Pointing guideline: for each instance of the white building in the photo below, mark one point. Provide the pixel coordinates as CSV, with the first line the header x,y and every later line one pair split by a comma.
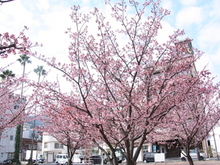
x,y
213,142
7,142
51,147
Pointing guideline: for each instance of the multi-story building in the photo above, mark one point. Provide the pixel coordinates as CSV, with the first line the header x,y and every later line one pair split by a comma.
x,y
26,142
7,142
162,145
51,147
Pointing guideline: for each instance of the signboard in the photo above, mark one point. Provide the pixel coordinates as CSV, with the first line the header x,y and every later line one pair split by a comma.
x,y
159,157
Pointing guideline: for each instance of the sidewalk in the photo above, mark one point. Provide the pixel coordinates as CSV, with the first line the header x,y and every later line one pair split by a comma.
x,y
173,162
207,162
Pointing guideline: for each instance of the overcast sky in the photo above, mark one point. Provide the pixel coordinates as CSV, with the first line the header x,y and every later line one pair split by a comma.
x,y
48,20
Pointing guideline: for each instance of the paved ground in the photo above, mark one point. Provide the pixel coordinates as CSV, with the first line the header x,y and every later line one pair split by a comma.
x,y
211,162
167,162
205,162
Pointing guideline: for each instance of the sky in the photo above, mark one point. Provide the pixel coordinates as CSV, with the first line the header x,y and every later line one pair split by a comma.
x,y
48,20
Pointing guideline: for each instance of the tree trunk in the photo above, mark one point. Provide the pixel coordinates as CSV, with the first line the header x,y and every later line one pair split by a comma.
x,y
114,160
70,160
130,162
189,158
71,152
198,154
17,145
30,160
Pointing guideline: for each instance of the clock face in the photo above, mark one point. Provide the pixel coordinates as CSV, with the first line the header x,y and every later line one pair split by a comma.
x,y
184,47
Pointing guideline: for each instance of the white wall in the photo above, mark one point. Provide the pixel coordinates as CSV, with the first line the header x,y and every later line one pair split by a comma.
x,y
215,141
50,150
7,145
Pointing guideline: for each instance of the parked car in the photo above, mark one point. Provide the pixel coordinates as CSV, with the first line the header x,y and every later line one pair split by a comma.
x,y
193,155
7,161
41,159
120,159
148,157
83,158
61,159
118,154
95,159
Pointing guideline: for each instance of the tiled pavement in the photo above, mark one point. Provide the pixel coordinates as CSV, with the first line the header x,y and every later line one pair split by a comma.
x,y
206,162
212,162
177,162
167,162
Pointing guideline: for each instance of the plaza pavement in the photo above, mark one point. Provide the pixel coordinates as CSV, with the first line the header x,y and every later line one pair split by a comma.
x,y
205,162
212,161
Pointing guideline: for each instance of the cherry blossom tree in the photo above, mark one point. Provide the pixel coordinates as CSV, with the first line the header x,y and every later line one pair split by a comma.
x,y
12,103
60,124
196,114
12,44
120,80
15,108
4,1
11,106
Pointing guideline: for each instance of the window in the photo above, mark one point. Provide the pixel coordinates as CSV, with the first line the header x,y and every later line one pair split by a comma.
x,y
34,146
192,151
145,149
11,137
208,142
58,145
154,148
16,106
10,155
45,145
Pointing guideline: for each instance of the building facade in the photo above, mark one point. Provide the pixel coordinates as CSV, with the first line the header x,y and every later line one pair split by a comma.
x,y
51,147
7,142
212,143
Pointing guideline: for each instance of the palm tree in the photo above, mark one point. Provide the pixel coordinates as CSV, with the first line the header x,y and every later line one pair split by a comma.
x,y
7,74
24,59
40,71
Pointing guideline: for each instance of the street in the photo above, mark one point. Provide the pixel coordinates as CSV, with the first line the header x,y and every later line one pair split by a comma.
x,y
167,162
